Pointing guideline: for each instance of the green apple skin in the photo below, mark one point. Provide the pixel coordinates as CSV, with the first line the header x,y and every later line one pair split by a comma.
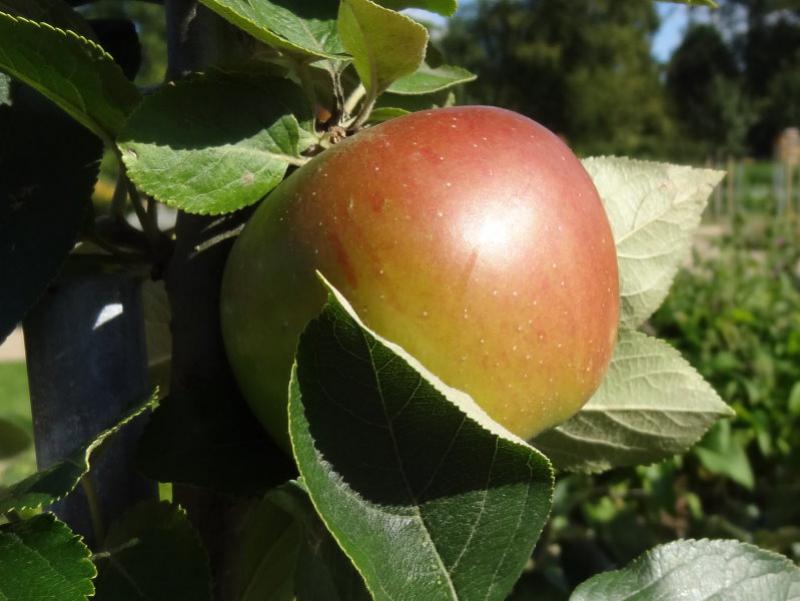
x,y
470,236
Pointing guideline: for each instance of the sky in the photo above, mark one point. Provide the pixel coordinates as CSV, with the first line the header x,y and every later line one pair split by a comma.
x,y
674,18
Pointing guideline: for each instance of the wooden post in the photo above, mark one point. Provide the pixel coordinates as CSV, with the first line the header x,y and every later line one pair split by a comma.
x,y
87,363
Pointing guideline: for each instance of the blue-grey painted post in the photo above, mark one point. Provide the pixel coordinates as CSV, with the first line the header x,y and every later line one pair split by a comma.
x,y
87,363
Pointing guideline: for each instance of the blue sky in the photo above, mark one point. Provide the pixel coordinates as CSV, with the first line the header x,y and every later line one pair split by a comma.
x,y
674,18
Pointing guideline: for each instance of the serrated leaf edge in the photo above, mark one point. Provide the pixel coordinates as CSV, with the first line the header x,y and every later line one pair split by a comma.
x,y
130,168
647,555
98,54
266,36
83,454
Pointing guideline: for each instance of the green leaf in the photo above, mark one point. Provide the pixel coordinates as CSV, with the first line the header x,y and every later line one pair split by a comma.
x,y
212,144
653,208
40,217
710,3
307,29
385,113
721,453
266,556
153,552
443,7
652,404
385,44
13,439
208,438
427,80
71,71
49,485
429,498
42,559
698,570
55,12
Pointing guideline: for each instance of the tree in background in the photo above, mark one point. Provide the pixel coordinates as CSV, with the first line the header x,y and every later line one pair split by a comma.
x,y
586,73
705,88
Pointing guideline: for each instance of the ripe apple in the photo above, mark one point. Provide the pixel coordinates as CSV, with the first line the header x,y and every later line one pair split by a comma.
x,y
470,236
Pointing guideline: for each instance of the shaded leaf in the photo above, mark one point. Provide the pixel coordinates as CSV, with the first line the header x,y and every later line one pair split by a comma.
x,y
305,29
55,12
385,44
71,71
40,217
652,404
213,144
327,574
209,438
653,208
40,559
266,556
49,485
698,570
153,552
429,502
157,317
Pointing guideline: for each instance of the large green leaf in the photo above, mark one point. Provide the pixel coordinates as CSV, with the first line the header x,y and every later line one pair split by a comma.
x,y
654,208
385,44
651,405
75,73
55,482
49,164
428,497
307,28
704,570
41,559
153,552
214,144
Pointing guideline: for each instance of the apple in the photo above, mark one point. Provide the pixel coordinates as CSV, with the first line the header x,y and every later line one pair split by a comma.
x,y
470,236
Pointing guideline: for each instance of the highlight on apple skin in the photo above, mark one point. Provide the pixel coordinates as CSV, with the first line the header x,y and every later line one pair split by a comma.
x,y
470,236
